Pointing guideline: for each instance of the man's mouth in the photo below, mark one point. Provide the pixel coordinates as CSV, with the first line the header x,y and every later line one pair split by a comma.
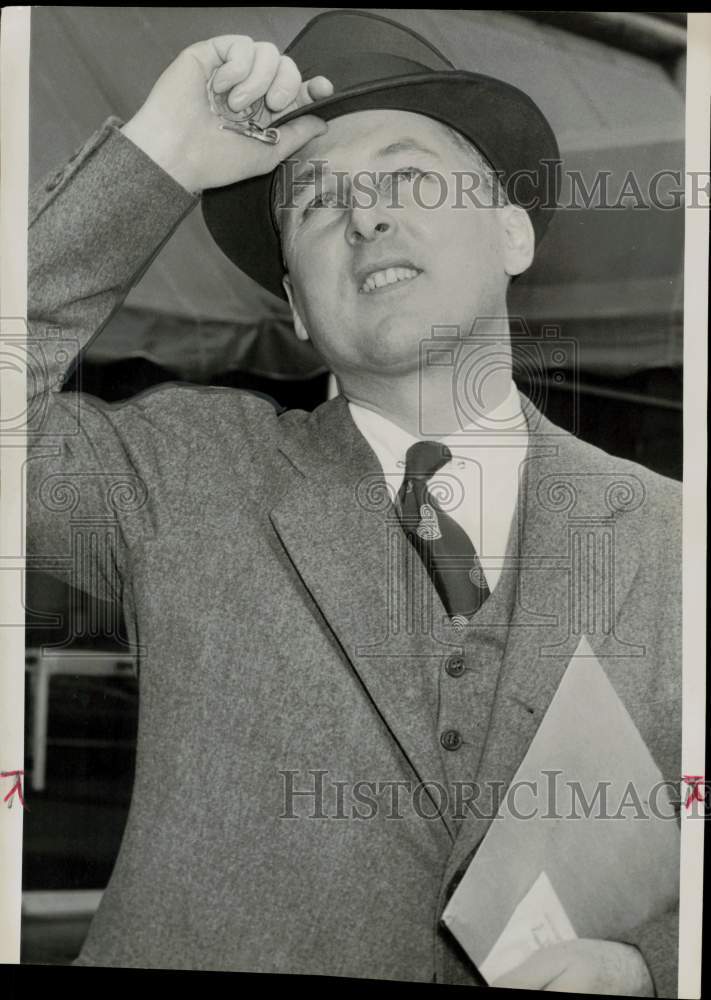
x,y
387,276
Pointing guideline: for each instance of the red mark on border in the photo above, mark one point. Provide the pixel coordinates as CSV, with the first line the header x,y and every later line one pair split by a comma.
x,y
17,787
695,782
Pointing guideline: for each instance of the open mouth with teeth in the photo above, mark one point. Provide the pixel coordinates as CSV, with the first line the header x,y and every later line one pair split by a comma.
x,y
388,277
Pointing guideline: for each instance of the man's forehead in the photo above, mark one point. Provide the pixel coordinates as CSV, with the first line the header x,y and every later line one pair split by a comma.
x,y
368,133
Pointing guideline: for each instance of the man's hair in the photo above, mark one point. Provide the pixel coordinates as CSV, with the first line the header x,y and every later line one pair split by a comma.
x,y
492,184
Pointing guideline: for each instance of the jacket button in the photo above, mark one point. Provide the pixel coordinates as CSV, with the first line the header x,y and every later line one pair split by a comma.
x,y
55,181
455,666
451,740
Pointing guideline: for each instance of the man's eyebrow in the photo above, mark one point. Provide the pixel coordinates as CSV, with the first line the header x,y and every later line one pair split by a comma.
x,y
307,174
307,178
407,145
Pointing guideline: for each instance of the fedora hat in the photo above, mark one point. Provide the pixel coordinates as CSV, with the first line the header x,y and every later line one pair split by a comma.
x,y
376,64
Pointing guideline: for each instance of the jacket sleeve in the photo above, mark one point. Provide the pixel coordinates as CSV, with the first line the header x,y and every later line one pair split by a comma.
x,y
94,469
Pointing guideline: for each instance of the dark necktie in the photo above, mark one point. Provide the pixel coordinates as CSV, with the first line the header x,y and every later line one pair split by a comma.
x,y
444,547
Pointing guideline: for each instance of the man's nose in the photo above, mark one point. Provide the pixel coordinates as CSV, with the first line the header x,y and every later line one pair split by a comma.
x,y
367,224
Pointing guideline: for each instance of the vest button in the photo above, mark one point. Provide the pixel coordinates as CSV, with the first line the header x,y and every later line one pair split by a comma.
x,y
451,740
455,666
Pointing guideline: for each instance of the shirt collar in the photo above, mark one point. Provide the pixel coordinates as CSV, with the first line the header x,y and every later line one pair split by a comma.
x,y
390,442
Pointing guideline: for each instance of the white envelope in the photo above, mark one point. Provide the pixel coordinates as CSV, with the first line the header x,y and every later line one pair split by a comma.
x,y
608,875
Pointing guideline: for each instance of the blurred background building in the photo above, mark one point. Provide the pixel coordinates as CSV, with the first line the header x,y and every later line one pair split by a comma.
x,y
609,281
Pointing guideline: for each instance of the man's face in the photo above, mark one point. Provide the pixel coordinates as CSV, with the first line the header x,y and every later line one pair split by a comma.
x,y
342,258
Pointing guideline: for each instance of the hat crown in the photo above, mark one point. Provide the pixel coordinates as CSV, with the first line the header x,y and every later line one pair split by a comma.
x,y
355,47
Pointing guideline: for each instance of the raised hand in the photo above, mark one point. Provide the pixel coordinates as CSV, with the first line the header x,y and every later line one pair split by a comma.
x,y
177,128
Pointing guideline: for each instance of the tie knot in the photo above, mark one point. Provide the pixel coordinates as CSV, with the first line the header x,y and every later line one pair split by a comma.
x,y
425,458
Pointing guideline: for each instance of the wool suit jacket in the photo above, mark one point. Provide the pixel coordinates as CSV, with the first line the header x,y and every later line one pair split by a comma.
x,y
250,552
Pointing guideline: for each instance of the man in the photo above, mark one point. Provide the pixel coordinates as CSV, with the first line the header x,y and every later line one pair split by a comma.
x,y
313,616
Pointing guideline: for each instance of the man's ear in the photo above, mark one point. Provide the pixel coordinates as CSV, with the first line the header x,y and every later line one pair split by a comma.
x,y
301,332
519,239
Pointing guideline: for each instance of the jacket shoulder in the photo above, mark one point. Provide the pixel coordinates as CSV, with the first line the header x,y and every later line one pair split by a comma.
x,y
208,414
650,501
661,494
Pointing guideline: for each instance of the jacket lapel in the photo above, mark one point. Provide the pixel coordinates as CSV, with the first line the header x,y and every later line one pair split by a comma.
x,y
571,498
342,535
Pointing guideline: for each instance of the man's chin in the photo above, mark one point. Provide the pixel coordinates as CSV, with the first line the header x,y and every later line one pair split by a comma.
x,y
403,326
393,351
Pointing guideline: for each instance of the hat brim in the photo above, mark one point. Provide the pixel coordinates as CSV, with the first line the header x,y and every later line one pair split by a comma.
x,y
499,119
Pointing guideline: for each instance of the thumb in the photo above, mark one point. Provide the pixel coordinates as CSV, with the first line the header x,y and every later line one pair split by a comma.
x,y
296,134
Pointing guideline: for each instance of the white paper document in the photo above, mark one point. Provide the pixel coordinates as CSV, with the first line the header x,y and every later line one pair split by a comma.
x,y
540,876
538,920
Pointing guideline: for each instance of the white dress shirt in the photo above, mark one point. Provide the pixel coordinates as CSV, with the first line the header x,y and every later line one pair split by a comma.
x,y
478,487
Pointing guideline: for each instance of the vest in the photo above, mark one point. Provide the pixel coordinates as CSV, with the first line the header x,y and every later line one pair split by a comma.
x,y
467,685
461,685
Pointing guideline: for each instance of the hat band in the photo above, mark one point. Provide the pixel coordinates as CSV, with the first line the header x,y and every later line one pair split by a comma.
x,y
357,68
